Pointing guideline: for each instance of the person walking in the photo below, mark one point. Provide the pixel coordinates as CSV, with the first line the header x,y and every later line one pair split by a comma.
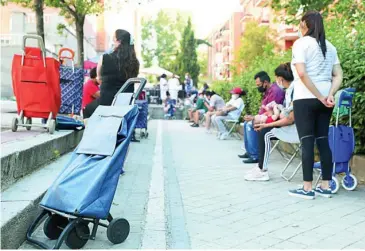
x,y
317,77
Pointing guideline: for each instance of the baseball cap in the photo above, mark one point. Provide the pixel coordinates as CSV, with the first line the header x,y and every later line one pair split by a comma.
x,y
236,90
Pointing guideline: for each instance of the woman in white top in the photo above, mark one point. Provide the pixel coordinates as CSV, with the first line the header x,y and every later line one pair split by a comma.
x,y
317,77
164,87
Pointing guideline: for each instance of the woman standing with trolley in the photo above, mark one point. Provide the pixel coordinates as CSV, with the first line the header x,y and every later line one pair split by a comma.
x,y
114,69
317,77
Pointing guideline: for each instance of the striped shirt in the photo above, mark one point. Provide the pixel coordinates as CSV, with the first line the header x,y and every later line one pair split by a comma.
x,y
319,68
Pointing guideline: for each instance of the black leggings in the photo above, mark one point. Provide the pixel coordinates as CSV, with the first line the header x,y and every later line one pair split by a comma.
x,y
312,120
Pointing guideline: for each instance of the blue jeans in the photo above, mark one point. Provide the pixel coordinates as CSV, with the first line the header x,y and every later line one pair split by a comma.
x,y
250,139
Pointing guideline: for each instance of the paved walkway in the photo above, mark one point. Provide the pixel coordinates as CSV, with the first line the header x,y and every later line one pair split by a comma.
x,y
185,189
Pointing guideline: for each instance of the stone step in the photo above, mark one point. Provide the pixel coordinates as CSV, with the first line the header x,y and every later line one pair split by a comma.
x,y
19,203
29,151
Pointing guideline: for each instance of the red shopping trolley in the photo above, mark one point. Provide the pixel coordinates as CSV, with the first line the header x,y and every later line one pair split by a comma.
x,y
36,86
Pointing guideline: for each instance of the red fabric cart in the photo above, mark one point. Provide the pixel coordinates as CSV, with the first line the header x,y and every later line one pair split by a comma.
x,y
36,86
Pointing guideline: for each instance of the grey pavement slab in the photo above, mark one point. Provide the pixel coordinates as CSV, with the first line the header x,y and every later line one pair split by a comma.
x,y
207,204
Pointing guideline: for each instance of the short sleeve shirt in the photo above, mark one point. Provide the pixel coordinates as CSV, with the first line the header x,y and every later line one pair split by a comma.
x,y
319,68
217,102
90,88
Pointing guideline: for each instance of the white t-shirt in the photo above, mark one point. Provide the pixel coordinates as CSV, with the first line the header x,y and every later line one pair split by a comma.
x,y
217,102
238,103
288,95
306,50
163,88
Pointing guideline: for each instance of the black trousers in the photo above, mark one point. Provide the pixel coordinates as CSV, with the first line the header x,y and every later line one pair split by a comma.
x,y
312,119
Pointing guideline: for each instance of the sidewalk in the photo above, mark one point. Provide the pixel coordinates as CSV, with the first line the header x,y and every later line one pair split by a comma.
x,y
184,189
8,112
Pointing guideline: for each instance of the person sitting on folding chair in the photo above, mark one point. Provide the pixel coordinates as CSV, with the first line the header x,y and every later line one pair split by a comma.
x,y
216,103
232,111
200,109
283,129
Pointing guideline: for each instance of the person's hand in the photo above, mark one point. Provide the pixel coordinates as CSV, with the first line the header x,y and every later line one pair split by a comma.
x,y
331,100
259,127
248,117
323,99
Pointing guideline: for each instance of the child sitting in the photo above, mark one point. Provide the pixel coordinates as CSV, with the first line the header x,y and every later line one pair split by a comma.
x,y
273,112
169,108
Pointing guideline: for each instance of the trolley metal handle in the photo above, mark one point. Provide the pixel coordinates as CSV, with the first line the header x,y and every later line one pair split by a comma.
x,y
133,81
66,57
41,44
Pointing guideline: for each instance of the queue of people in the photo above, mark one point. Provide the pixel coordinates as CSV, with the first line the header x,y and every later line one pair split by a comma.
x,y
296,108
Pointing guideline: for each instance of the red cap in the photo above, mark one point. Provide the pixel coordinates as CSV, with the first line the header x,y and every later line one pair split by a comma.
x,y
236,90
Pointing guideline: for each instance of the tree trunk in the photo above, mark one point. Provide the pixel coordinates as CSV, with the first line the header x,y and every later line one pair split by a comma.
x,y
80,40
38,8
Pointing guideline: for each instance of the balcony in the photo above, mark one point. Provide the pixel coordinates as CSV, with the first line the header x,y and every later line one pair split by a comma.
x,y
226,48
288,34
264,22
261,3
226,32
246,17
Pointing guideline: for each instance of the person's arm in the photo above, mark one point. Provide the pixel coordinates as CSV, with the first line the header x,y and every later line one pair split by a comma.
x,y
96,94
286,121
337,77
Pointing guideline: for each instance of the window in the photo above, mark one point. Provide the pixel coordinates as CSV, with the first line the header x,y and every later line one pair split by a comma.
x,y
31,18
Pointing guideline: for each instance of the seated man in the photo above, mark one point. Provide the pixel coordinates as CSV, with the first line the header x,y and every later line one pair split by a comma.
x,y
272,92
232,111
199,110
91,89
283,129
216,103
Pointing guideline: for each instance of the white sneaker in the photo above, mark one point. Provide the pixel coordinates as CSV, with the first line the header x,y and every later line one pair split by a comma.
x,y
218,135
257,175
252,170
224,136
208,131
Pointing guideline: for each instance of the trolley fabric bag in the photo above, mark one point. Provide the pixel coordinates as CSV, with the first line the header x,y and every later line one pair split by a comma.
x,y
71,80
36,82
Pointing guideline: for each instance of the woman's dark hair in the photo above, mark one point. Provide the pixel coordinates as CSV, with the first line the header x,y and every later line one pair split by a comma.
x,y
284,71
93,73
210,93
263,76
125,54
314,22
167,93
163,75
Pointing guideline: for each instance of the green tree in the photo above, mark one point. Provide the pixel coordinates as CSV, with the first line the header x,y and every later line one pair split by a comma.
x,y
188,58
203,63
37,6
255,42
76,11
148,52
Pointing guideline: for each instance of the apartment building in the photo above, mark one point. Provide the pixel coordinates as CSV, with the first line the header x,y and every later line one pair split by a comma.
x,y
225,41
261,11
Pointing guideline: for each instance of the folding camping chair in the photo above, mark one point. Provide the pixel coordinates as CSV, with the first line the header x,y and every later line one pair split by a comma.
x,y
296,150
230,124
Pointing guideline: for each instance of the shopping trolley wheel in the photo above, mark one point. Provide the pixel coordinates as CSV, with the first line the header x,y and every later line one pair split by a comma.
x,y
14,124
334,184
28,122
78,236
118,230
146,135
349,182
54,226
52,126
142,135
